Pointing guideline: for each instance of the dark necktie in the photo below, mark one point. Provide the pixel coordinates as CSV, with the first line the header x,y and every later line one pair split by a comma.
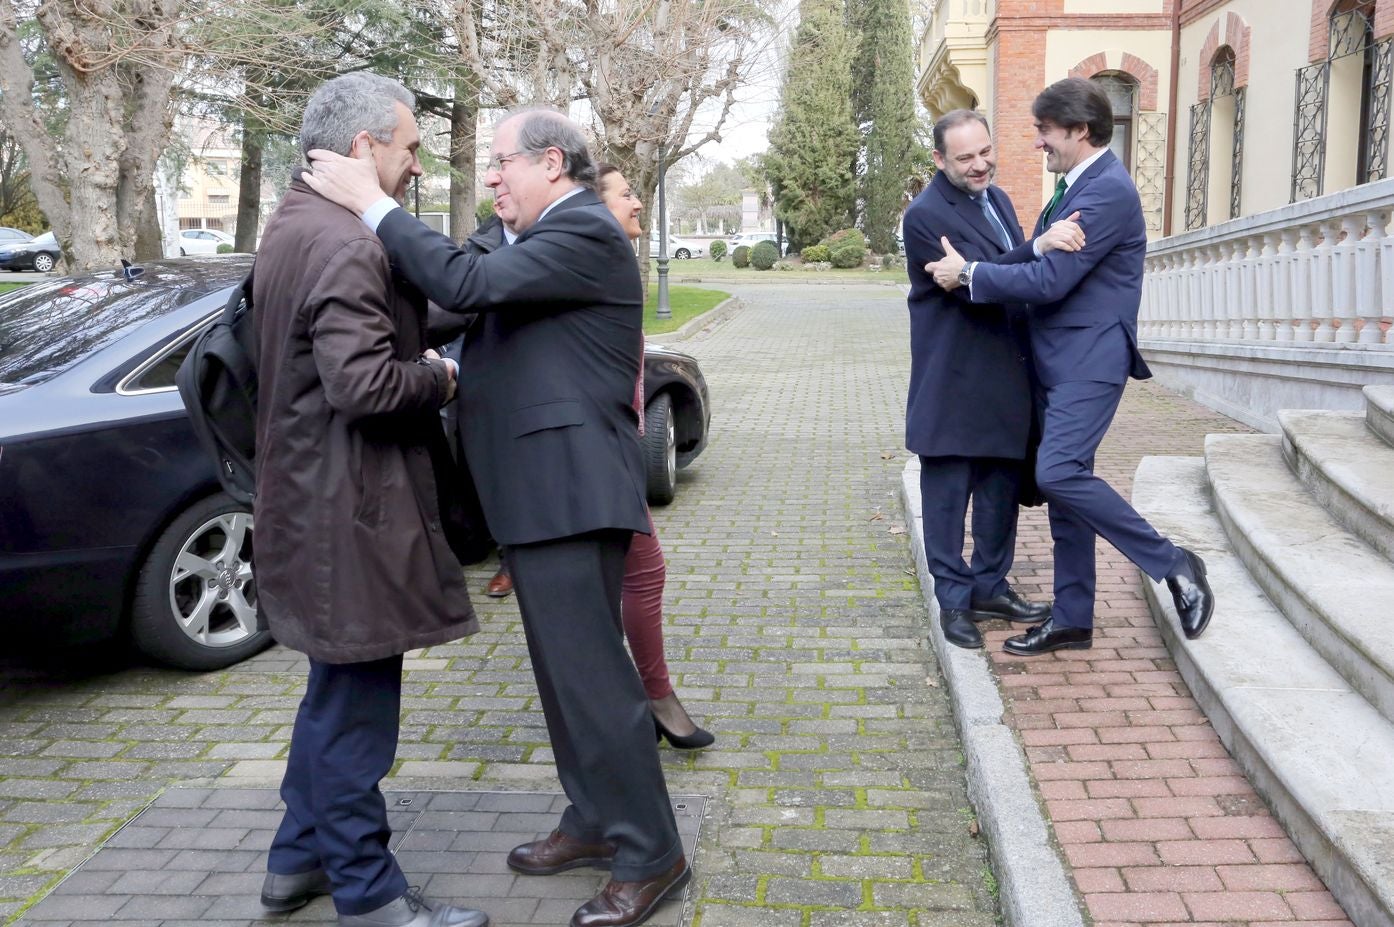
x,y
995,222
1060,186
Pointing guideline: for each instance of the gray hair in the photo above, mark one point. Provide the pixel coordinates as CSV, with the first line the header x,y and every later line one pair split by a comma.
x,y
952,120
349,104
540,129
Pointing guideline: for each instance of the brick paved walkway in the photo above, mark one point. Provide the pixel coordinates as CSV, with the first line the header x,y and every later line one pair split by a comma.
x,y
1158,823
836,793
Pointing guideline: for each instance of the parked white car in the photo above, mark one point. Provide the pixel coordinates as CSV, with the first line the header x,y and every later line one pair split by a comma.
x,y
750,239
202,241
679,248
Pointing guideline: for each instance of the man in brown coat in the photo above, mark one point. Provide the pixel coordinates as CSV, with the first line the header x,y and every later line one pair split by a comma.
x,y
354,565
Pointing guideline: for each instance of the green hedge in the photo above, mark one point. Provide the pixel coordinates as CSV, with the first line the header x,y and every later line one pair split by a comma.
x,y
741,256
849,255
816,254
718,250
224,248
764,254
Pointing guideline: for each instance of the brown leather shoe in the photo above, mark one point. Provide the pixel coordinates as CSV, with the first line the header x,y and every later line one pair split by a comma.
x,y
558,852
624,904
501,585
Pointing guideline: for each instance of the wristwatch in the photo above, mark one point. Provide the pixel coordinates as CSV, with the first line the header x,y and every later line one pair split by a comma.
x,y
965,275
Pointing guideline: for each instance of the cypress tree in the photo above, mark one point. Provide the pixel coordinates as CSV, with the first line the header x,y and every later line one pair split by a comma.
x,y
814,142
886,82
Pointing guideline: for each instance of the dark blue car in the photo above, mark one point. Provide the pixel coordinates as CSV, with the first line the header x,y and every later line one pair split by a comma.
x,y
112,522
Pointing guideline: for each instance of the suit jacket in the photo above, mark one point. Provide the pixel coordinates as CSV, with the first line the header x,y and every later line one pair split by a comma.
x,y
1083,315
547,370
969,387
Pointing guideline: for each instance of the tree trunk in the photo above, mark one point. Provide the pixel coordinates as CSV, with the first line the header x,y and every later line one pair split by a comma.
x,y
249,191
464,120
150,244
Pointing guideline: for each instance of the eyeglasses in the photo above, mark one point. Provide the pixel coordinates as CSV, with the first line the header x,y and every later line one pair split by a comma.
x,y
499,162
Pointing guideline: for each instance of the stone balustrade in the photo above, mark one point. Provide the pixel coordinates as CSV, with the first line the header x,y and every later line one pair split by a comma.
x,y
1287,309
1316,272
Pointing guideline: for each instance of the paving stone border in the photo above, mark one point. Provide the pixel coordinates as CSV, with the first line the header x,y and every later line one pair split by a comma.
x,y
1035,890
718,313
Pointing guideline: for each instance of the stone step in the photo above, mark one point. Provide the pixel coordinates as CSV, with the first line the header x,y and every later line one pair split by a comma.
x,y
1333,587
1347,468
1379,411
1319,753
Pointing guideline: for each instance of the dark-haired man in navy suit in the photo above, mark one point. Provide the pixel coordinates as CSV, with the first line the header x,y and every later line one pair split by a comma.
x,y
1083,326
968,415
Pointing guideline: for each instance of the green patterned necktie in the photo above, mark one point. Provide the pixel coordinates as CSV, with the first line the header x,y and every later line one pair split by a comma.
x,y
1054,200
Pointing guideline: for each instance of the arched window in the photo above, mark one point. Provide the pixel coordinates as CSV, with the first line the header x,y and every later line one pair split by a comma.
x,y
1122,90
1214,185
1342,111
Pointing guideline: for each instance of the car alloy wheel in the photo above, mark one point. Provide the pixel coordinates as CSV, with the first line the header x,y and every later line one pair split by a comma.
x,y
682,254
43,263
661,450
196,600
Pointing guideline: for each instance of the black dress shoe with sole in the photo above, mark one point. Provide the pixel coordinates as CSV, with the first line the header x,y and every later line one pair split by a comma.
x,y
1011,606
1190,591
1045,637
959,629
627,904
283,893
558,852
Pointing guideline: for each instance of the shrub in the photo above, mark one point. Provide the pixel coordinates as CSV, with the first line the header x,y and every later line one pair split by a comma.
x,y
741,256
718,250
848,255
764,254
845,237
892,261
484,211
224,248
815,254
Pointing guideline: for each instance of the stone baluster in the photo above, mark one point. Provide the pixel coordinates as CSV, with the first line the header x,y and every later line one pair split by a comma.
x,y
1173,294
1283,298
1265,305
1147,312
1301,284
1345,272
1244,324
1322,292
1195,292
1210,289
1371,296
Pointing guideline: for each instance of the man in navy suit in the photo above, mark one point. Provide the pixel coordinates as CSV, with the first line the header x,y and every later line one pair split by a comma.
x,y
968,415
1083,328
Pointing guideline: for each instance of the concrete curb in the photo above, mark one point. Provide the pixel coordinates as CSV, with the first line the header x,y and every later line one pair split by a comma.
x,y
1034,889
718,313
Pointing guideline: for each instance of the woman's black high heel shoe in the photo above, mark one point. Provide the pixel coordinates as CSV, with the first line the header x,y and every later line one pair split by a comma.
x,y
698,739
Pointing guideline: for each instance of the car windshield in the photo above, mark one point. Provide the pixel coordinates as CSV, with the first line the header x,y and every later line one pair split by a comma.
x,y
45,327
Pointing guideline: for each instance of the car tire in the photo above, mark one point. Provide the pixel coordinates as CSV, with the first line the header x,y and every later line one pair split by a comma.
x,y
195,598
660,450
682,254
43,262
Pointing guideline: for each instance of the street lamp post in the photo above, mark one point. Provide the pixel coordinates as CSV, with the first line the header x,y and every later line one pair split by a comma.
x,y
664,310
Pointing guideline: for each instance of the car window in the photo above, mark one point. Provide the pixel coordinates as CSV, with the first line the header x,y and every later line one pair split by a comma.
x,y
161,374
46,327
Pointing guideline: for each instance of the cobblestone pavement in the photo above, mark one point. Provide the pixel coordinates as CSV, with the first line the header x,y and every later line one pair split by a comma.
x,y
1157,821
836,793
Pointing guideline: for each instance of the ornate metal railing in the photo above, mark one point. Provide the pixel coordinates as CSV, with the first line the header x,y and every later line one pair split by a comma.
x,y
1320,271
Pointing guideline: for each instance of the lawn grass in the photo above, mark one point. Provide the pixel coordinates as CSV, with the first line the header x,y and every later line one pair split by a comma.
x,y
704,270
7,287
687,302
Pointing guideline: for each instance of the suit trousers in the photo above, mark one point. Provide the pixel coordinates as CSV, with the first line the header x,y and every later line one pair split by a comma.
x,y
343,743
1075,417
642,610
946,484
598,717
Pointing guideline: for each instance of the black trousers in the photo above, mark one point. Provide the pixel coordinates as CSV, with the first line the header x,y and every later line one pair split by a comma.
x,y
946,484
344,742
597,714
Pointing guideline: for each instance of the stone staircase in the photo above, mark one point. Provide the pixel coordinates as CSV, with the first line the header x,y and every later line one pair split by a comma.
x,y
1296,671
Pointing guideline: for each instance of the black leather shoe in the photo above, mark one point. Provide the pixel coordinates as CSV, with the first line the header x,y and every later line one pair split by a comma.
x,y
625,904
1011,606
959,629
558,852
416,910
1045,637
1190,590
288,892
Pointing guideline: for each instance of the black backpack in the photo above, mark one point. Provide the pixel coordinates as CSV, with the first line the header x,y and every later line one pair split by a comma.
x,y
218,383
